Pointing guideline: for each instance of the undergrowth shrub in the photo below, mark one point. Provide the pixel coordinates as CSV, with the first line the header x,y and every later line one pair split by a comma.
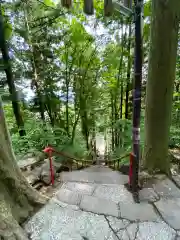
x,y
38,136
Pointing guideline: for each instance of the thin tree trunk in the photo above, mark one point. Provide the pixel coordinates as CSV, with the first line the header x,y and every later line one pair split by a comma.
x,y
161,75
128,75
35,81
120,84
112,123
74,126
10,80
67,79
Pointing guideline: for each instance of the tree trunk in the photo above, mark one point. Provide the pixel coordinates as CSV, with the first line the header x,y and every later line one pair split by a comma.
x,y
67,81
10,80
34,61
75,125
128,74
112,123
17,198
161,75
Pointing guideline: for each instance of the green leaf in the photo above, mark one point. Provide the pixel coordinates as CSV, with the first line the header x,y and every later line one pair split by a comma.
x,y
147,9
23,33
49,3
7,31
176,94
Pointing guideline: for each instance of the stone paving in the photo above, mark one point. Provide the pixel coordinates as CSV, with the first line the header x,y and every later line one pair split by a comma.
x,y
96,210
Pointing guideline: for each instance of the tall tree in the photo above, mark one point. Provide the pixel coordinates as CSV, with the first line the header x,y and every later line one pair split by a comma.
x,y
17,198
10,80
161,75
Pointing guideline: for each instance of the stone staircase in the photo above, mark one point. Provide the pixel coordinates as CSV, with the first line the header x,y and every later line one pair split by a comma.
x,y
93,204
95,174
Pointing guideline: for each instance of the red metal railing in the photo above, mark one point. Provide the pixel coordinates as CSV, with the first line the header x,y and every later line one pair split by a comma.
x,y
50,151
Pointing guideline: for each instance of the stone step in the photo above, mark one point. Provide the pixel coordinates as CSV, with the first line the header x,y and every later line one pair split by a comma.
x,y
72,192
63,223
101,177
110,200
106,211
97,169
99,206
88,203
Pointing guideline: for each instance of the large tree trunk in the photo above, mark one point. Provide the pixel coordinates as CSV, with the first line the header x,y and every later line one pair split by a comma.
x,y
17,198
161,75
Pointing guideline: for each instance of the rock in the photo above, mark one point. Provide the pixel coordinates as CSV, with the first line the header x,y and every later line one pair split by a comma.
x,y
45,170
29,155
154,230
170,211
40,156
31,161
166,189
37,171
138,212
68,196
148,195
34,175
46,176
81,188
32,179
99,206
38,185
27,162
177,180
45,173
174,169
63,169
124,169
115,193
58,166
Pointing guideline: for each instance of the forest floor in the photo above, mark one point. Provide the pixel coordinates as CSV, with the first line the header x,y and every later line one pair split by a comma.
x,y
93,204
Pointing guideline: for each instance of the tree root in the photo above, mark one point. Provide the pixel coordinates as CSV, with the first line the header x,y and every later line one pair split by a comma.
x,y
9,227
15,209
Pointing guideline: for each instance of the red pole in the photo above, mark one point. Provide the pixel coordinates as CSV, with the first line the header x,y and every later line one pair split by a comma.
x,y
49,150
51,168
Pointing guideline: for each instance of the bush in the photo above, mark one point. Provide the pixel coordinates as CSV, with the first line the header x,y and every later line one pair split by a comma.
x,y
38,136
174,140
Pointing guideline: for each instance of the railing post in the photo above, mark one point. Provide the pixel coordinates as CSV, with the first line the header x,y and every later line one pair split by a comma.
x,y
137,98
49,150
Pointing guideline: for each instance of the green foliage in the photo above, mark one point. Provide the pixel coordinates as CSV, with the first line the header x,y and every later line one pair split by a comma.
x,y
78,77
147,9
174,140
39,137
8,30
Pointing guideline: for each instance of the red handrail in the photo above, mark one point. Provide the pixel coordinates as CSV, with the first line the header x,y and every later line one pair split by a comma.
x,y
50,150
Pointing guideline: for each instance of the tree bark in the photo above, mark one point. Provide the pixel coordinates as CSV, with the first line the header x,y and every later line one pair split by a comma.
x,y
10,80
128,74
17,198
112,123
161,75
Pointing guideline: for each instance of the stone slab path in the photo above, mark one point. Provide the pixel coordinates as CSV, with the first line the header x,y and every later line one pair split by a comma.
x,y
89,207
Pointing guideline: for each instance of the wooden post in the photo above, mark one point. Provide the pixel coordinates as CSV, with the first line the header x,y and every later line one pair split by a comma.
x,y
137,98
